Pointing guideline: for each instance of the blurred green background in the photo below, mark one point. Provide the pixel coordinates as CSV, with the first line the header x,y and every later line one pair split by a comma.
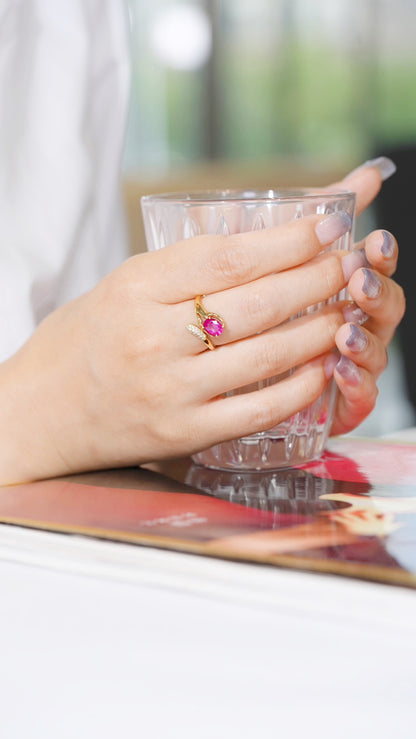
x,y
328,81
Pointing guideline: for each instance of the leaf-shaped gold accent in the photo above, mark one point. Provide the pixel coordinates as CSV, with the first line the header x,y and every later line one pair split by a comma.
x,y
196,331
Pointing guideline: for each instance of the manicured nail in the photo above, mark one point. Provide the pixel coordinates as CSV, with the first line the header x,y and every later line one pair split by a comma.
x,y
371,285
354,314
388,246
330,363
357,340
384,165
348,371
364,256
352,262
333,226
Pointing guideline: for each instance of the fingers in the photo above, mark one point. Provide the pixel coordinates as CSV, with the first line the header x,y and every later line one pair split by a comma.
x,y
357,397
249,413
209,264
366,180
363,358
268,355
361,347
270,301
380,298
381,251
379,305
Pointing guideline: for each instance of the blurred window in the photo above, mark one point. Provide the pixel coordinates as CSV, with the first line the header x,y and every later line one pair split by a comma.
x,y
254,79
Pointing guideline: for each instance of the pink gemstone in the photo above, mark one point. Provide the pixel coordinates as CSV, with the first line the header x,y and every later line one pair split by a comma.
x,y
213,326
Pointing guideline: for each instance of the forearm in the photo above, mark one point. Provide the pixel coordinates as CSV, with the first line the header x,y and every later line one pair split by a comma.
x,y
25,439
40,402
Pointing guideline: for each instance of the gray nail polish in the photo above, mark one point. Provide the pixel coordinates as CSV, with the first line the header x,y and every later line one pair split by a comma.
x,y
371,285
357,340
354,314
366,263
333,226
388,245
348,371
385,166
330,364
353,261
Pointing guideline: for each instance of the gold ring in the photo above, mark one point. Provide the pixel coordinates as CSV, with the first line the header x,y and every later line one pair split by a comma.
x,y
209,324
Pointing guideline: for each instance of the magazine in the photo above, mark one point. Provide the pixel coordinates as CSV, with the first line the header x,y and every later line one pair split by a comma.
x,y
352,513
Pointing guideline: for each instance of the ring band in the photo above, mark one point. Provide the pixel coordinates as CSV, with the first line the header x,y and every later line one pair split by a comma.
x,y
209,324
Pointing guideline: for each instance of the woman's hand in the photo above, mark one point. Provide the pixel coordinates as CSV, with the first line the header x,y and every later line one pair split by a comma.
x,y
378,308
371,320
114,378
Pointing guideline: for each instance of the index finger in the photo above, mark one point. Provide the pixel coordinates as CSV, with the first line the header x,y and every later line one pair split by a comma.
x,y
211,263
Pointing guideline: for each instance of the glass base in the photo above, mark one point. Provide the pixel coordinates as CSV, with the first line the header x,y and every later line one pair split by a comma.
x,y
297,441
265,453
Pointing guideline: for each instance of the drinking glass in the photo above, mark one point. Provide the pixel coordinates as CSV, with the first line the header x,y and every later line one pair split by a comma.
x,y
171,217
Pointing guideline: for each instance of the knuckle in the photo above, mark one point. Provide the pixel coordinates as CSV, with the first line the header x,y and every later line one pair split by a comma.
x,y
256,307
191,435
142,347
264,415
333,275
333,321
122,286
269,357
396,299
233,263
149,346
166,435
155,397
369,400
163,436
171,437
310,386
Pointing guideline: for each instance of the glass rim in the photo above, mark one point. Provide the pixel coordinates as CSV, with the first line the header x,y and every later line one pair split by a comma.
x,y
247,195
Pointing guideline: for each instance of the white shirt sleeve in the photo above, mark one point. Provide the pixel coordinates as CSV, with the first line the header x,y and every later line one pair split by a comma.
x,y
64,84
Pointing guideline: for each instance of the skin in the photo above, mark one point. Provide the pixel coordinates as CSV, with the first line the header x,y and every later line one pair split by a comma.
x,y
114,379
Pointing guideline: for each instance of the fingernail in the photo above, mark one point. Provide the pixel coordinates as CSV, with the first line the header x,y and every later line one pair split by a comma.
x,y
388,246
352,262
384,165
372,284
333,226
357,340
354,314
330,363
348,371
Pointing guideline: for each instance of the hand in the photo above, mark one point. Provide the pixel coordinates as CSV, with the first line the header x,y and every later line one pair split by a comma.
x,y
379,307
114,378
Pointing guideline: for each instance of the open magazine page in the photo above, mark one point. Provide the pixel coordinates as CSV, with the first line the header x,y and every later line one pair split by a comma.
x,y
353,512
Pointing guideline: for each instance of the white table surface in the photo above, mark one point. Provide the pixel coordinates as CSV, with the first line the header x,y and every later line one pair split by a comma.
x,y
107,640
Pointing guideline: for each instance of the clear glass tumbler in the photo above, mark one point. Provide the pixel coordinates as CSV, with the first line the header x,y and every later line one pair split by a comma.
x,y
171,217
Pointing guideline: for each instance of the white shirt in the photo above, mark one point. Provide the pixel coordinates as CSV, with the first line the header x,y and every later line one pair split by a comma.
x,y
64,85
